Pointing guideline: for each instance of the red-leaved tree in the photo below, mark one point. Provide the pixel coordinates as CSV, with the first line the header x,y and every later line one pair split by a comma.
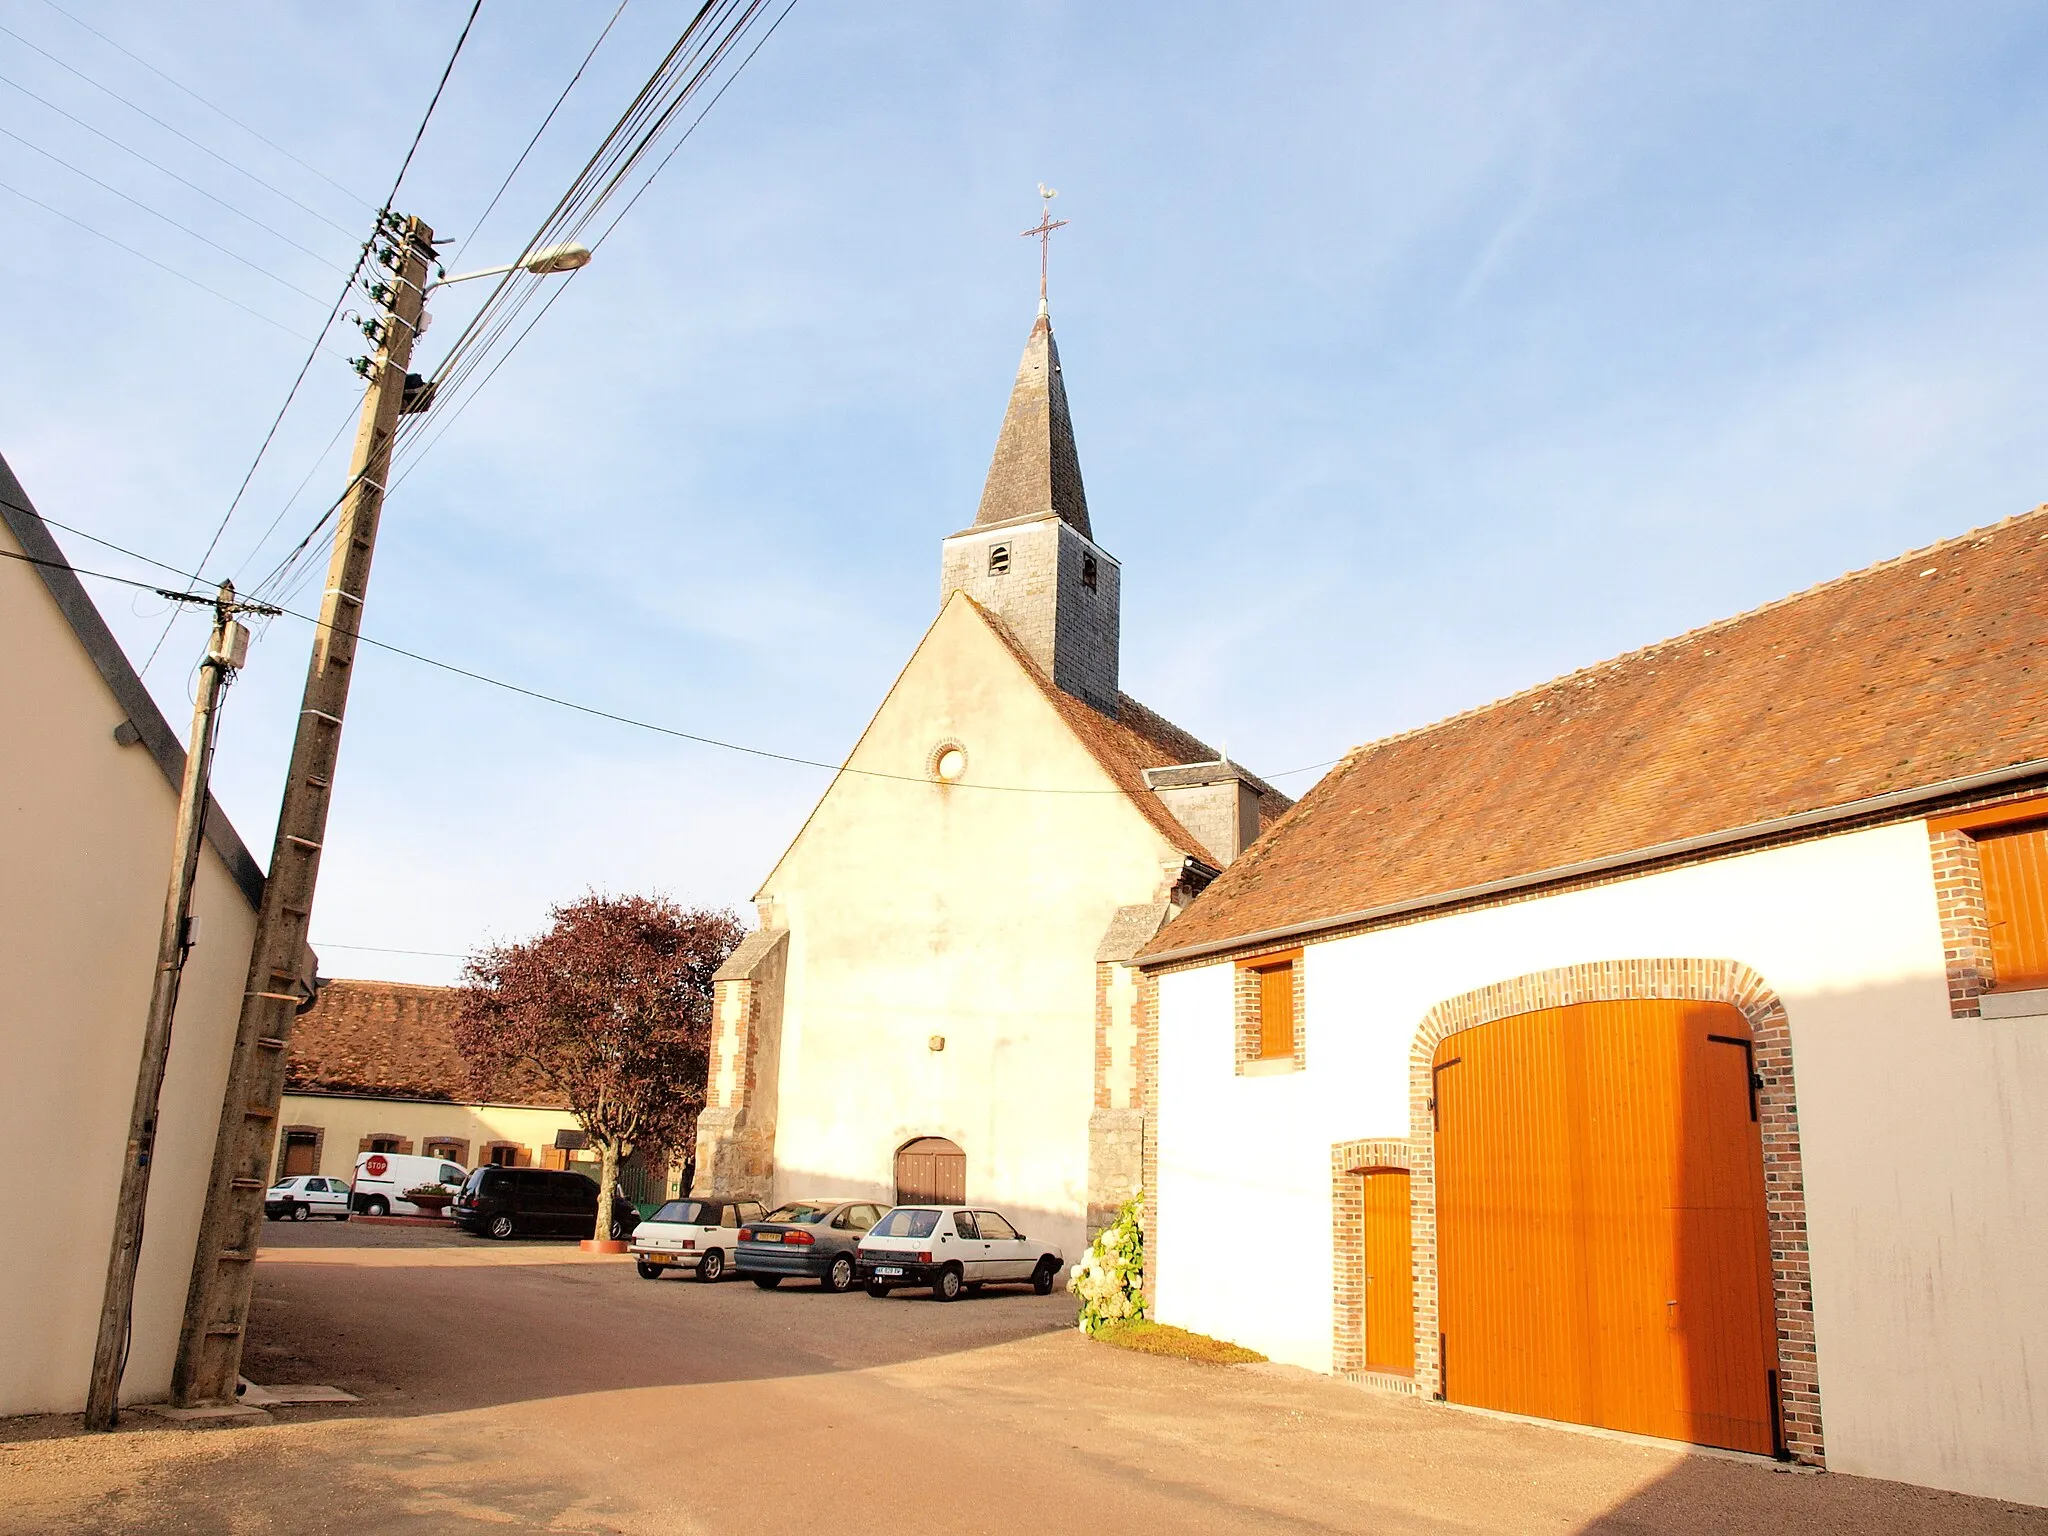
x,y
611,1006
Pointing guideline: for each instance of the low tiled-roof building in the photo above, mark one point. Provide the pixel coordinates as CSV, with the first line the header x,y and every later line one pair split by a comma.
x,y
372,1067
1663,1048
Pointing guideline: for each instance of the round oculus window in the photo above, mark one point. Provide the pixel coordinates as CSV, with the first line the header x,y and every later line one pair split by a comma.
x,y
950,763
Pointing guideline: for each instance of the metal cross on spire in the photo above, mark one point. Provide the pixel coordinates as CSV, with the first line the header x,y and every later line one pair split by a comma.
x,y
1046,225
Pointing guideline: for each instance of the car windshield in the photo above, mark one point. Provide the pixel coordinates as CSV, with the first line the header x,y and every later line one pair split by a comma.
x,y
907,1223
798,1210
690,1213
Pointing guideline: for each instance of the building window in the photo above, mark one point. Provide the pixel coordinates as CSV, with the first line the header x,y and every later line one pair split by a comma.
x,y
300,1151
2014,864
506,1154
454,1149
949,762
386,1141
1088,572
1991,884
1269,1026
998,559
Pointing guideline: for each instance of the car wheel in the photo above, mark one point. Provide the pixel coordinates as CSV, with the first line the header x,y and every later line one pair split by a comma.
x,y
376,1205
948,1286
1042,1278
711,1267
301,1212
648,1271
767,1282
839,1278
877,1290
502,1225
619,1232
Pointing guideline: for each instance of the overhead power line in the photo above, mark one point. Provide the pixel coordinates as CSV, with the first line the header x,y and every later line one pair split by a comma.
x,y
292,394
160,266
172,128
556,699
210,106
484,217
157,165
205,240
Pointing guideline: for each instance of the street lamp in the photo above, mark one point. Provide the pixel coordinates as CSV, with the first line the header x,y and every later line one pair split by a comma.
x,y
545,262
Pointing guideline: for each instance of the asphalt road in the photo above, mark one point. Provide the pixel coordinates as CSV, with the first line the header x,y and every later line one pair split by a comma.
x,y
522,1386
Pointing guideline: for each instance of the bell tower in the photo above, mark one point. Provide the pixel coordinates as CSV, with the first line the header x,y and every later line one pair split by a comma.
x,y
1030,556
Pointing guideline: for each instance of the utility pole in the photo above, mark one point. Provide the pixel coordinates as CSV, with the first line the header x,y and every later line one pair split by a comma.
x,y
225,652
217,1302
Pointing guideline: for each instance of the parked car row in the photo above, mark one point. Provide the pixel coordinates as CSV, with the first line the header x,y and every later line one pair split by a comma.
x,y
841,1243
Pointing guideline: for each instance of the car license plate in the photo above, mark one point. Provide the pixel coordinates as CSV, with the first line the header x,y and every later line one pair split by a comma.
x,y
887,1269
767,1237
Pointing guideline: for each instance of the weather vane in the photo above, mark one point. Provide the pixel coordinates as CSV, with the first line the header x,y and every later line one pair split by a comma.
x,y
1043,231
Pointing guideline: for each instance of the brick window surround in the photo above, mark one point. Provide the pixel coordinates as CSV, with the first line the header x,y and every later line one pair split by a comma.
x,y
1249,1014
520,1158
1959,895
454,1148
402,1149
1714,981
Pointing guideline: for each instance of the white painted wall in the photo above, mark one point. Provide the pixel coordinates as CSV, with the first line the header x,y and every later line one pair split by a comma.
x,y
917,910
347,1120
1925,1139
87,825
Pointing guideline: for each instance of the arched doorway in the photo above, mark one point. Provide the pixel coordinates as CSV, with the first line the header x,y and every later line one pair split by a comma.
x,y
1603,1239
930,1170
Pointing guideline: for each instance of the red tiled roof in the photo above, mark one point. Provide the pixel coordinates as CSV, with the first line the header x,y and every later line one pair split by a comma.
x,y
1139,738
390,1039
1926,668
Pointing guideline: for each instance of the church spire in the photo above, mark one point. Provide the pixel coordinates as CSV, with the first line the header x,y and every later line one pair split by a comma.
x,y
1035,469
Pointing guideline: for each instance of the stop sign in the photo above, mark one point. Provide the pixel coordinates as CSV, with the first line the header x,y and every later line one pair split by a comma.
x,y
376,1167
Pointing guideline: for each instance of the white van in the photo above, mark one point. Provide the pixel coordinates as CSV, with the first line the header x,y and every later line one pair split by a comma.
x,y
382,1178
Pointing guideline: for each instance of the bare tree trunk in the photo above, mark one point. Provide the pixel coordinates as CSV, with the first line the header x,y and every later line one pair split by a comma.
x,y
608,1163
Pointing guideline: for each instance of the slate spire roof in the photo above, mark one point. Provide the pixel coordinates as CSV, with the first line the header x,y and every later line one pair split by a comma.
x,y
1035,469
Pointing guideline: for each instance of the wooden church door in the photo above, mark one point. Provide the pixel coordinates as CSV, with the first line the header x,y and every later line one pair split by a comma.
x,y
931,1170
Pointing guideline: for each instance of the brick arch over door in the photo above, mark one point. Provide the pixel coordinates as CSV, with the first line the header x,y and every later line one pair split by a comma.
x,y
1704,981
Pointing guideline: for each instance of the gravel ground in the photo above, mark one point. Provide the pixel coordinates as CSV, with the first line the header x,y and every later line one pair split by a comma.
x,y
525,1386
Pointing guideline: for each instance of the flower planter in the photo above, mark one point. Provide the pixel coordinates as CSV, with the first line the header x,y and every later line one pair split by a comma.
x,y
602,1245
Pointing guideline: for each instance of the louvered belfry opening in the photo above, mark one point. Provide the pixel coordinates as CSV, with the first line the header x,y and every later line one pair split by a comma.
x,y
931,1170
1603,1247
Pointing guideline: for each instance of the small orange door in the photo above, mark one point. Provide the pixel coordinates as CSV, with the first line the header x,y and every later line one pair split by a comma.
x,y
931,1169
1389,1274
1604,1253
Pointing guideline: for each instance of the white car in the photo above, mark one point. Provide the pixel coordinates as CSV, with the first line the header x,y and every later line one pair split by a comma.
x,y
952,1248
306,1195
698,1236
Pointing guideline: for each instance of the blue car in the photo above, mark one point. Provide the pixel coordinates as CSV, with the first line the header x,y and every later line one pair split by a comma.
x,y
806,1240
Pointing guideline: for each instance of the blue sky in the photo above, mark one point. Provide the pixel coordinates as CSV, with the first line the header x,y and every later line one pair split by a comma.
x,y
1416,354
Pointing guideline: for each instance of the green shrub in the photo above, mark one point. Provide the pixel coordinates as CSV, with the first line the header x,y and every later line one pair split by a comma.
x,y
1110,1279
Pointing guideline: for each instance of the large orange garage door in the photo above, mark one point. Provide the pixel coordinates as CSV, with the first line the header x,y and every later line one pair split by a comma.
x,y
1604,1255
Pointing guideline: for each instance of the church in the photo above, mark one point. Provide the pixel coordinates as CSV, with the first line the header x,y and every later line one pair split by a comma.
x,y
939,1002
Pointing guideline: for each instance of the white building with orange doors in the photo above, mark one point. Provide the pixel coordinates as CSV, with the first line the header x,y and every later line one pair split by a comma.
x,y
1663,1048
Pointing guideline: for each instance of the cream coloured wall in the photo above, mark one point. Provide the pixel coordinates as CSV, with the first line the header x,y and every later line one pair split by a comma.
x,y
87,825
917,909
347,1120
1925,1139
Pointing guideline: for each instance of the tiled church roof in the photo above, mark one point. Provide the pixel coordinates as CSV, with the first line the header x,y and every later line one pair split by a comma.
x,y
1035,468
1139,738
1924,669
390,1039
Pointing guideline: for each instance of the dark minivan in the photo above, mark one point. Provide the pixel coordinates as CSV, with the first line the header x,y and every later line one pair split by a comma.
x,y
536,1202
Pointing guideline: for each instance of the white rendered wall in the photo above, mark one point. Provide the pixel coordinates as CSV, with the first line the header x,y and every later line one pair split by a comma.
x,y
1925,1139
916,910
87,825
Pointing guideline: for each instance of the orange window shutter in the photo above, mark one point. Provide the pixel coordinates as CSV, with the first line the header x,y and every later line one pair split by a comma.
x,y
1276,1011
2015,867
